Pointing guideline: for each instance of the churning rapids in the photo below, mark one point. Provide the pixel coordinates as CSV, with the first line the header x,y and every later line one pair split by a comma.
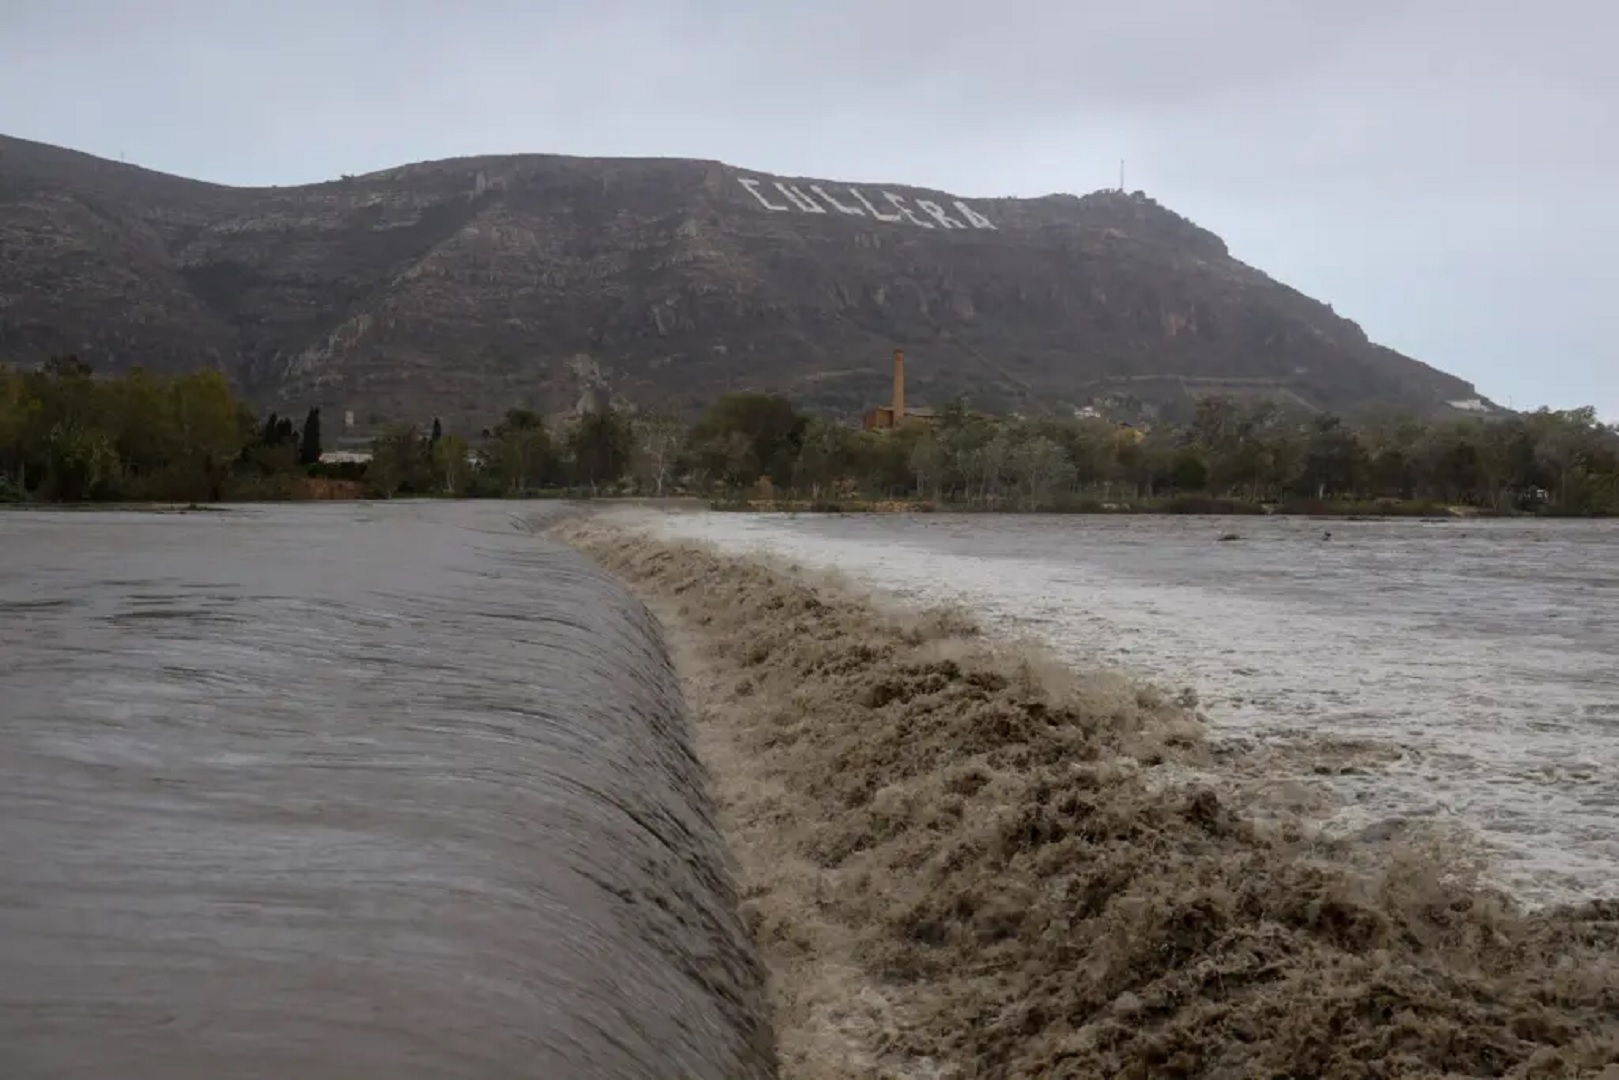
x,y
1468,667
339,791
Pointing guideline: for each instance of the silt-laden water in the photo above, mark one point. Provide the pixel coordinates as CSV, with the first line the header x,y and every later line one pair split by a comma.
x,y
1484,655
338,791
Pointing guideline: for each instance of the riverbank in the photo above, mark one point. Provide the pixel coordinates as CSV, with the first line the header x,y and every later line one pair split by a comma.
x,y
321,489
963,859
1177,505
325,490
293,489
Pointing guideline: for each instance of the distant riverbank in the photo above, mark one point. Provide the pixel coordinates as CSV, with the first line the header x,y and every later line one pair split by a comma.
x,y
1180,504
299,489
321,490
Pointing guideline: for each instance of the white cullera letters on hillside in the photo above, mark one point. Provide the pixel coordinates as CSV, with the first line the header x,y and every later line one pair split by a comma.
x,y
933,214
899,204
860,195
834,204
799,199
977,220
936,212
751,186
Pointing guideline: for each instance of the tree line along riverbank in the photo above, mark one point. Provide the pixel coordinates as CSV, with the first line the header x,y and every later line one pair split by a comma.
x,y
68,435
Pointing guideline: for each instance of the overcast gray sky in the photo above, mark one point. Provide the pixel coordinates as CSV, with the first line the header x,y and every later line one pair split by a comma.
x,y
1439,170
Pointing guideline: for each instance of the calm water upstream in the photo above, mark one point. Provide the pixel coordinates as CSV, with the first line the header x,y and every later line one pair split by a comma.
x,y
344,791
1487,653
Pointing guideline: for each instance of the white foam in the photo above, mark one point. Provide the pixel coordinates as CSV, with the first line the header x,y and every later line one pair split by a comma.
x,y
1499,715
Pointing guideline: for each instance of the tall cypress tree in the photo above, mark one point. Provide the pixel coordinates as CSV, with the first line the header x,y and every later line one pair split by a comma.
x,y
309,446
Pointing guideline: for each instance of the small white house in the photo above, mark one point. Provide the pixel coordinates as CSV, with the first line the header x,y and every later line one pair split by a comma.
x,y
345,457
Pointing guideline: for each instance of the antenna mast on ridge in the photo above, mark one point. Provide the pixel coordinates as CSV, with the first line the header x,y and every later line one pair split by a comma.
x,y
1121,176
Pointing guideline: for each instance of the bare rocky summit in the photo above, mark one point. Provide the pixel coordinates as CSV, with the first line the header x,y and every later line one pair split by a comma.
x,y
460,288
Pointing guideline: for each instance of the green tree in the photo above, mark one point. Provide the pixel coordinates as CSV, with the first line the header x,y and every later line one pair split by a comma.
x,y
520,452
769,425
451,469
885,460
1569,454
1448,465
930,463
80,462
826,458
268,457
1189,472
658,438
1334,460
1039,468
984,468
602,445
277,431
1093,447
309,442
144,434
400,463
210,434
19,411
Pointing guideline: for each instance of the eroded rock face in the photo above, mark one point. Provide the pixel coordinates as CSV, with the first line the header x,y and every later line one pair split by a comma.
x,y
460,288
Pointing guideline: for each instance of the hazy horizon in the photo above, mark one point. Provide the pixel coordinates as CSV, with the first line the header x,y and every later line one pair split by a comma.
x,y
1442,180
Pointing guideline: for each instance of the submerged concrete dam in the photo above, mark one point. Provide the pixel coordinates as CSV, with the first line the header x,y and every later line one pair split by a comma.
x,y
342,791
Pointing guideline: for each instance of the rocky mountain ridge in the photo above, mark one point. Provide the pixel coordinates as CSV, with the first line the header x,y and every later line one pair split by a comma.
x,y
463,287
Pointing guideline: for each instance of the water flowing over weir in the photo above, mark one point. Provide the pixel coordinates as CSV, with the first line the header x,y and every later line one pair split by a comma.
x,y
332,791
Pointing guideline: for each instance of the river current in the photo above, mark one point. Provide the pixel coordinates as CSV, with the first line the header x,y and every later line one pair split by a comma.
x,y
1478,660
336,791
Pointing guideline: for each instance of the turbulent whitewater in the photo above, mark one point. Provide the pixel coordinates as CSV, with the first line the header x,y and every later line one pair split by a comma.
x,y
1450,674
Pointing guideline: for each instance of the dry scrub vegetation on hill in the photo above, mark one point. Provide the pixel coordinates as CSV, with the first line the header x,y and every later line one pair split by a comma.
x,y
436,288
961,860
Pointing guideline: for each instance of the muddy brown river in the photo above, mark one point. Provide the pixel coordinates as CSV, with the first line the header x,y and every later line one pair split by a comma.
x,y
349,791
1474,660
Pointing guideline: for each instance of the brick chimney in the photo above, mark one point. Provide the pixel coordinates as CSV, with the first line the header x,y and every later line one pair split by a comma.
x,y
899,386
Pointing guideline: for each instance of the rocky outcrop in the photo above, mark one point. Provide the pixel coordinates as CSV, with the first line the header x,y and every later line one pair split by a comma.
x,y
460,288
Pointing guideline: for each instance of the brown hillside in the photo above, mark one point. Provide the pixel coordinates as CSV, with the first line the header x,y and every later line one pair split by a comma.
x,y
459,288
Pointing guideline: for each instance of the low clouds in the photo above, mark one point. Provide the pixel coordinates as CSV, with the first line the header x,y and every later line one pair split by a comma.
x,y
1439,172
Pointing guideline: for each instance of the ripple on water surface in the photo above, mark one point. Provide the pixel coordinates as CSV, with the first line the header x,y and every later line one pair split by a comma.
x,y
337,791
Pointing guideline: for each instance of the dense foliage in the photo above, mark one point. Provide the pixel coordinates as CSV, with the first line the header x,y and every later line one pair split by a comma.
x,y
66,435
69,436
1229,456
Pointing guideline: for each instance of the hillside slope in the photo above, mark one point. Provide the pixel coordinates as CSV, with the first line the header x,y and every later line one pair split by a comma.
x,y
462,287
